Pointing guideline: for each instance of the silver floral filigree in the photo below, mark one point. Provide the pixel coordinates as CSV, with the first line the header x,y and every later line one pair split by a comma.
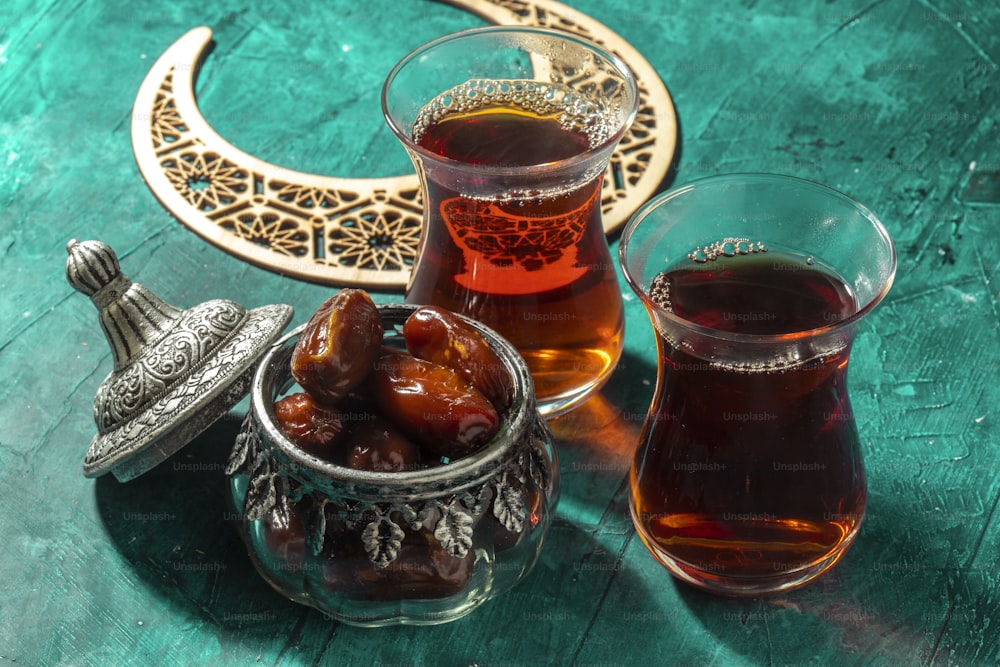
x,y
454,529
175,371
383,539
508,505
262,492
196,336
245,447
451,517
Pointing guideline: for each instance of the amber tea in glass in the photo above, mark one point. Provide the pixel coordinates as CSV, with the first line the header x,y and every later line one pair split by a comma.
x,y
511,130
748,478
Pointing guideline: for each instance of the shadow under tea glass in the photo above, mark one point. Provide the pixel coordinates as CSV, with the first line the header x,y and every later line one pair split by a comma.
x,y
511,130
748,477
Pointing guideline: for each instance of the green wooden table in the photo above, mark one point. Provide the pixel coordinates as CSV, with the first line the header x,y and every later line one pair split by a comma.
x,y
895,102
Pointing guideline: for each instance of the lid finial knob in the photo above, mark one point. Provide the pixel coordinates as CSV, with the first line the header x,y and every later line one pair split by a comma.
x,y
131,316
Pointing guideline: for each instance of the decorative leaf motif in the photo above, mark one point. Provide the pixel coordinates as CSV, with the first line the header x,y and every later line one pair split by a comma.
x,y
316,528
452,519
261,494
477,504
260,497
454,529
520,469
538,467
382,539
246,445
280,516
508,506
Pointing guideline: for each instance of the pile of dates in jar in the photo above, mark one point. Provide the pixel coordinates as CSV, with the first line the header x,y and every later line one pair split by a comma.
x,y
376,408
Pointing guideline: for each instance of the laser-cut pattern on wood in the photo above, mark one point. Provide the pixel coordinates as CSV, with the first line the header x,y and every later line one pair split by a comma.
x,y
343,231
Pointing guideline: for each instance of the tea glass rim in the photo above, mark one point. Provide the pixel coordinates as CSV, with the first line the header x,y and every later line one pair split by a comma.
x,y
664,198
569,163
484,461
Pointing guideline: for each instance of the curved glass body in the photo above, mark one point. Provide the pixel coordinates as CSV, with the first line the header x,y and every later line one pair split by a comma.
x,y
511,130
749,477
417,547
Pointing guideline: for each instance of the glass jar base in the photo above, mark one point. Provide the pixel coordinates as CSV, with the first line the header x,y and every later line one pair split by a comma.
x,y
377,619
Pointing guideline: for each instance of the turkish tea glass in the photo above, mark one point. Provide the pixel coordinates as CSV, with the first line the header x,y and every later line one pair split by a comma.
x,y
511,130
748,478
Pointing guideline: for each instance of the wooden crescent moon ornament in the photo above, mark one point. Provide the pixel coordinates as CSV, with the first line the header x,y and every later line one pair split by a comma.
x,y
359,232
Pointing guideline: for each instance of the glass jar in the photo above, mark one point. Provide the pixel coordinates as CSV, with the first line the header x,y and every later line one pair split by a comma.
x,y
418,547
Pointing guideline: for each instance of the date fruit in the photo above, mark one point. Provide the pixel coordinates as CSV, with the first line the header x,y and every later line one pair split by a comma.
x,y
423,570
314,427
438,335
285,537
378,446
433,404
383,409
336,350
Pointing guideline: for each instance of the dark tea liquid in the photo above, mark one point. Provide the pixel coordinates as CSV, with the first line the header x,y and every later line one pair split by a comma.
x,y
750,470
533,265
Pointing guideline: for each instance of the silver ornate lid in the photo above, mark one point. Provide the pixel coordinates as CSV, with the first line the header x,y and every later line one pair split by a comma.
x,y
175,371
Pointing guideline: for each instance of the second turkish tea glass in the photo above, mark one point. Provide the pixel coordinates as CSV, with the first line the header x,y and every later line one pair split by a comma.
x,y
748,477
511,130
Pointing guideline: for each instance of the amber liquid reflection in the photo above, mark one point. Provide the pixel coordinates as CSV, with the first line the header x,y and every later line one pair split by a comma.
x,y
750,476
533,266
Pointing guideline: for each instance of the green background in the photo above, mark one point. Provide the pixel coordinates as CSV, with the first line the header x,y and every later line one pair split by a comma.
x,y
895,102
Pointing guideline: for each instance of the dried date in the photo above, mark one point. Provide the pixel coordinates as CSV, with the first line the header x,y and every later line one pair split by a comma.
x,y
440,336
378,446
423,570
314,427
433,404
285,537
340,342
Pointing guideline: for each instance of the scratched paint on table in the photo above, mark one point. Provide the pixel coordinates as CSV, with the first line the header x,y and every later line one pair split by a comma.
x,y
888,101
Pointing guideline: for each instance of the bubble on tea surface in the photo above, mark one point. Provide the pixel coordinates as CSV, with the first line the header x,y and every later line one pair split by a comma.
x,y
574,111
659,292
727,247
700,255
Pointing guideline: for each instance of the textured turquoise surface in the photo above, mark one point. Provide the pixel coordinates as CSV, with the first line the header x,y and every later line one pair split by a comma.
x,y
895,102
